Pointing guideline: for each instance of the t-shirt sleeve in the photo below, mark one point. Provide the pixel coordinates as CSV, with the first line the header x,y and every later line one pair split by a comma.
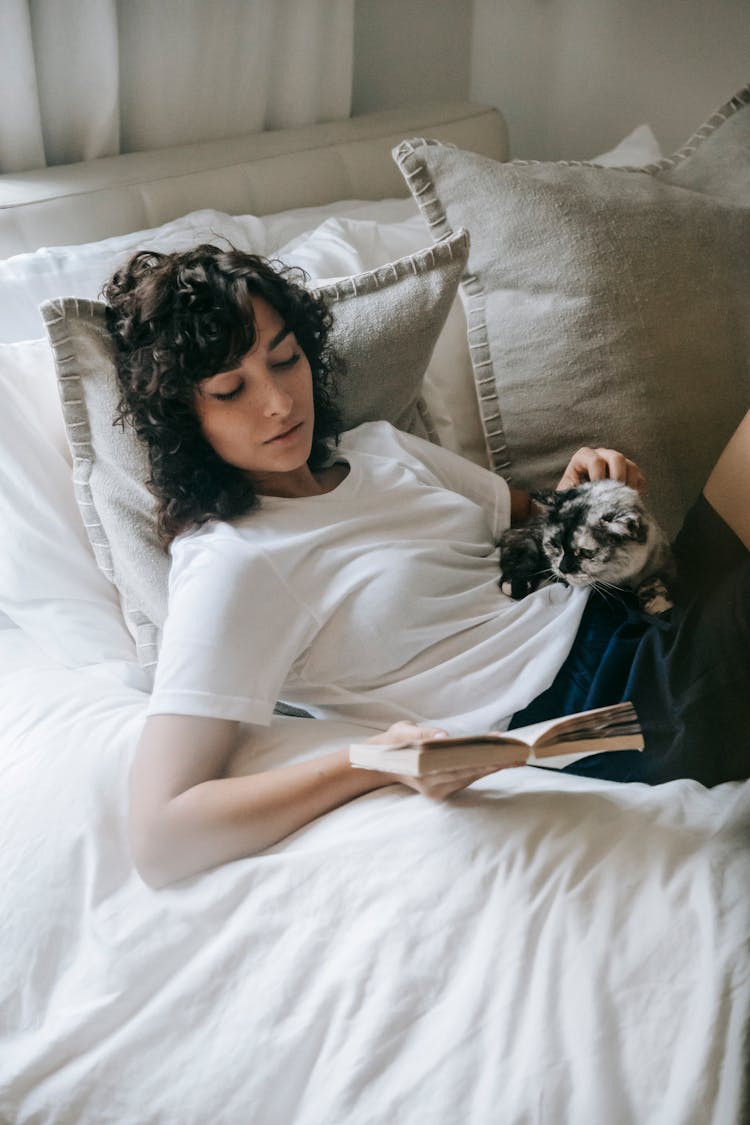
x,y
233,632
457,473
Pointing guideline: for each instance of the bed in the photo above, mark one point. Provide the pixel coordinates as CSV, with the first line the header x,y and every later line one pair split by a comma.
x,y
540,948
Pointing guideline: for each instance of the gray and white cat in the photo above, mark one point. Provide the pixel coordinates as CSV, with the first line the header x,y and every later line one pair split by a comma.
x,y
598,534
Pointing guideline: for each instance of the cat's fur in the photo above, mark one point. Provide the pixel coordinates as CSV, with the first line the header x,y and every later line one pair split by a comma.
x,y
598,534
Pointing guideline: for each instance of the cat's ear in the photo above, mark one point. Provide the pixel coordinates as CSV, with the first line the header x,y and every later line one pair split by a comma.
x,y
547,498
630,525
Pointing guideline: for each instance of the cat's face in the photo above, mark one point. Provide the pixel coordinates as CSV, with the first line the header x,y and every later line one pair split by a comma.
x,y
598,529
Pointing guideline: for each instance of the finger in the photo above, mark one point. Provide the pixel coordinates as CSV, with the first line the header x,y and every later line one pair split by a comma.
x,y
439,786
397,732
589,464
635,477
621,468
600,464
406,731
594,467
450,777
616,464
404,726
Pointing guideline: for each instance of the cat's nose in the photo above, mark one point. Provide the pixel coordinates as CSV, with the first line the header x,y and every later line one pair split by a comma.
x,y
570,564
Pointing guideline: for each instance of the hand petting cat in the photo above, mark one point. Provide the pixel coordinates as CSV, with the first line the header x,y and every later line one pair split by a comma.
x,y
601,464
585,465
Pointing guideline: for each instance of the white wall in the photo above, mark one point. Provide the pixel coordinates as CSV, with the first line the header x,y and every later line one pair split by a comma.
x,y
571,76
574,76
410,52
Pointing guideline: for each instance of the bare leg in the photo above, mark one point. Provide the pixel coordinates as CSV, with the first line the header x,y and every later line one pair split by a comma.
x,y
728,487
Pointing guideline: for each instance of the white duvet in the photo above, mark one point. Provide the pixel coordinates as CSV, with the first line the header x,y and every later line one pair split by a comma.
x,y
540,949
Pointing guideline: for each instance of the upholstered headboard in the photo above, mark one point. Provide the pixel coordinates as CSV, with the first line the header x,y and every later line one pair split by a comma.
x,y
259,174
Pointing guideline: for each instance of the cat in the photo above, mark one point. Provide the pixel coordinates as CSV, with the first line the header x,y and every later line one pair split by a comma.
x,y
598,534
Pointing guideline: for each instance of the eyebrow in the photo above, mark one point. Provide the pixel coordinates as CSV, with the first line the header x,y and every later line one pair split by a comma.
x,y
280,335
274,343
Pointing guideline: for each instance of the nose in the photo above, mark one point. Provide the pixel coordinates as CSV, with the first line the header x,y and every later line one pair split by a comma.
x,y
276,401
569,564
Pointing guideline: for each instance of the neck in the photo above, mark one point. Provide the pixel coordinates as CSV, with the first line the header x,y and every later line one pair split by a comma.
x,y
302,482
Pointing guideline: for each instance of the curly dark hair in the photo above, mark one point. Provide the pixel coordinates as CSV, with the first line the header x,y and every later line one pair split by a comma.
x,y
179,318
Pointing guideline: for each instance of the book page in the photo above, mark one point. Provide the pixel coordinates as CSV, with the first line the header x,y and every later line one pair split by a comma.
x,y
601,722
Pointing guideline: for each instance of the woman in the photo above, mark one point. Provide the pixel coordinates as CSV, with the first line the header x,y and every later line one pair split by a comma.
x,y
354,577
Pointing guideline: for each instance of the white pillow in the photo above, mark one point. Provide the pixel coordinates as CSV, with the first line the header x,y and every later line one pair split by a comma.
x,y
341,245
27,378
288,226
634,151
50,584
80,271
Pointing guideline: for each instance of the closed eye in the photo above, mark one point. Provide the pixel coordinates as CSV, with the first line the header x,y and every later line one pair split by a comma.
x,y
283,364
278,365
229,395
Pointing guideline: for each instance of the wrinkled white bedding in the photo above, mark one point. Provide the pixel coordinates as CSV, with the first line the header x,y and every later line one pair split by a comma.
x,y
539,949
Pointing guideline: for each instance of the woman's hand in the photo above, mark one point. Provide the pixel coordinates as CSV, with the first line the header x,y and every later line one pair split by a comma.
x,y
436,786
601,464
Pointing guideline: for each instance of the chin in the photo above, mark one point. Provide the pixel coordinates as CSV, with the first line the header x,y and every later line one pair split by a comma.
x,y
577,579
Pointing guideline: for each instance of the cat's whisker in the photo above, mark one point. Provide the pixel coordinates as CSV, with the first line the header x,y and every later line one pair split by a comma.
x,y
602,582
603,591
608,590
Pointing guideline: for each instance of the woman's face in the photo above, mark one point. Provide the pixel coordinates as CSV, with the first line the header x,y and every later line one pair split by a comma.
x,y
259,416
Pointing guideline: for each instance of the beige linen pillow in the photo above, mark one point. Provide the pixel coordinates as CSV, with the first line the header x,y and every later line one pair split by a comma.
x,y
386,324
605,306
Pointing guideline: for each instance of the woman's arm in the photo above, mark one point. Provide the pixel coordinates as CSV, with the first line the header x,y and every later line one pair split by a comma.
x,y
185,817
727,487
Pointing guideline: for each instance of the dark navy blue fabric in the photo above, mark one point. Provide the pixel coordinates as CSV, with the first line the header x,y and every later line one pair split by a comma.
x,y
687,671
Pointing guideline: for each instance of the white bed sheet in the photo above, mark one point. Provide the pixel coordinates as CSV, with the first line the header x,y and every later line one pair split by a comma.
x,y
539,949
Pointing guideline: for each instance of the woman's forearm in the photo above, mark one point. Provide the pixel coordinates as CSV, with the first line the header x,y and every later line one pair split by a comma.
x,y
224,819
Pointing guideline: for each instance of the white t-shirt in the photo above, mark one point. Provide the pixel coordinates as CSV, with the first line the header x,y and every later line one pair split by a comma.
x,y
375,602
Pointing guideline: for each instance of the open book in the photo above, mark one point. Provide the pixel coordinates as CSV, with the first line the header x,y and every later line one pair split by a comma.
x,y
555,743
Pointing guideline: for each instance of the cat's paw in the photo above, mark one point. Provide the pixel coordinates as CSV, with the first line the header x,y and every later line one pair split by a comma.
x,y
517,586
653,596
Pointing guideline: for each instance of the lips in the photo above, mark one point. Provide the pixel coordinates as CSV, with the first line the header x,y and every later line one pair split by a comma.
x,y
285,434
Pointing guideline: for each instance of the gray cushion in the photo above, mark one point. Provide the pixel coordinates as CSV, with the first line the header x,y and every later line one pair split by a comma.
x,y
605,306
386,324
